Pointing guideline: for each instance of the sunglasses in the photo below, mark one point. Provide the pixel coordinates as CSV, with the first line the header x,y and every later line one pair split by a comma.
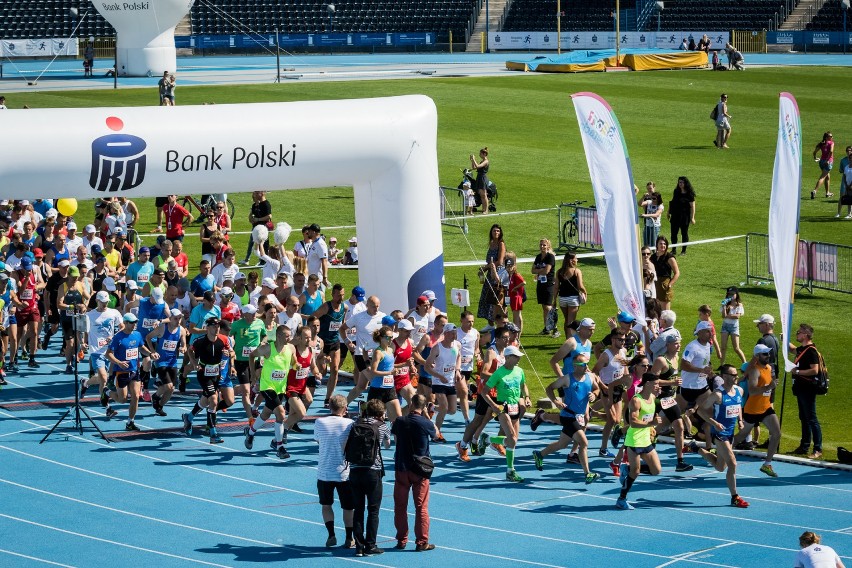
x,y
388,337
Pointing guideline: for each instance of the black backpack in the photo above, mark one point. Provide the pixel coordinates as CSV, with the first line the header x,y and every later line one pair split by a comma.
x,y
362,445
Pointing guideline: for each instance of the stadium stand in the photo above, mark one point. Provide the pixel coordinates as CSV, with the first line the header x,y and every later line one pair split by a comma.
x,y
50,18
717,15
829,17
540,15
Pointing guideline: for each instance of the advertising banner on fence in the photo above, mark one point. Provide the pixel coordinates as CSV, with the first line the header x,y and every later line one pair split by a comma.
x,y
46,47
600,40
784,214
612,182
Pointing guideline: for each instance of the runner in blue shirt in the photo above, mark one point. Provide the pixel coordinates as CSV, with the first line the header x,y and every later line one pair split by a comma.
x,y
123,352
141,269
170,344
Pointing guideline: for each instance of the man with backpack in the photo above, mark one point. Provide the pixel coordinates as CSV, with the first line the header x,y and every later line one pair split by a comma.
x,y
805,389
366,469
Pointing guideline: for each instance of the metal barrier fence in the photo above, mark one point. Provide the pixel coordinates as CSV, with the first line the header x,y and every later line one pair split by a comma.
x,y
104,47
578,227
826,266
454,208
747,41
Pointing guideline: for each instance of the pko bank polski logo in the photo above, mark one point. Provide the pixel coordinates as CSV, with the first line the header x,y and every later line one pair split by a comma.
x,y
118,160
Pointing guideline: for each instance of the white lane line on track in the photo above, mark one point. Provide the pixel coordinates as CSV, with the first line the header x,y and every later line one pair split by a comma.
x,y
28,557
687,556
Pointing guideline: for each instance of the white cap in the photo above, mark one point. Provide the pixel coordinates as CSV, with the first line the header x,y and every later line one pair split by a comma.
x,y
23,202
102,296
512,350
249,309
429,294
269,283
63,263
761,348
226,291
109,283
157,295
174,312
71,226
766,318
132,285
587,322
88,263
240,276
89,229
450,327
404,324
51,213
702,325
354,240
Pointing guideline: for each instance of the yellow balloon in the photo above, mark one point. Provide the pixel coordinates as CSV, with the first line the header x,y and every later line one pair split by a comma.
x,y
66,206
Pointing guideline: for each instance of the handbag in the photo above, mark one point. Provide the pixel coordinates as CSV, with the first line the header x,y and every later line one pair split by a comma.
x,y
420,465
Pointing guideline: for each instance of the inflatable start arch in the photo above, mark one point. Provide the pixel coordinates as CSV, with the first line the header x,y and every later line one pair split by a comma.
x,y
385,148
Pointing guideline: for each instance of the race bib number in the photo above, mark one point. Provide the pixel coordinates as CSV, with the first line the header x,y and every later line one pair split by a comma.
x,y
667,402
141,278
102,342
334,326
211,370
581,419
368,354
421,330
466,361
767,393
27,294
512,408
647,417
387,381
732,411
302,374
399,371
449,371
69,312
170,345
542,278
132,353
247,350
350,332
149,323
278,375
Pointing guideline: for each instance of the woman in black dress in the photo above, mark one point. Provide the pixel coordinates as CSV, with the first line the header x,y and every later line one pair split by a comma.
x,y
667,273
481,182
681,212
495,257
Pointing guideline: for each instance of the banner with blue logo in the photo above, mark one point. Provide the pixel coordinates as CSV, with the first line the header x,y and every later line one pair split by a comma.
x,y
43,47
288,41
601,40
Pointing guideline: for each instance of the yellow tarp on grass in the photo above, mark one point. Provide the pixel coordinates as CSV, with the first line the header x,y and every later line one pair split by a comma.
x,y
671,60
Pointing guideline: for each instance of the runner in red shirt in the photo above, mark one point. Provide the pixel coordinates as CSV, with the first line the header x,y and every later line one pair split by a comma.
x,y
298,395
230,310
175,216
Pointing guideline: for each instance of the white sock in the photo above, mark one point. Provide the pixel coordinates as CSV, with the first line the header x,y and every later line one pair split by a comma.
x,y
259,423
279,431
463,445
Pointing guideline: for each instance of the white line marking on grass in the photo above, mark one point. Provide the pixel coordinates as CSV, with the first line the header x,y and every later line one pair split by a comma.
x,y
688,555
124,545
42,560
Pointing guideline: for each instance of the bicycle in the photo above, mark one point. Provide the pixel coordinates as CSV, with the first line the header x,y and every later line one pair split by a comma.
x,y
207,203
570,231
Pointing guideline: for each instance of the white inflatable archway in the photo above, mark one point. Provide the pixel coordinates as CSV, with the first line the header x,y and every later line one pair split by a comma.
x,y
385,148
145,30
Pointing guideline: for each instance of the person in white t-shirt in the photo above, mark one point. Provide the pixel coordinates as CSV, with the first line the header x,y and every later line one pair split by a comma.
x,y
364,324
694,370
331,433
317,254
814,554
101,324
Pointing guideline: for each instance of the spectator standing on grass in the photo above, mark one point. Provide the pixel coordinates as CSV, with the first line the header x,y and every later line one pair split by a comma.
x,y
652,205
804,389
208,228
413,433
681,213
667,272
826,162
814,554
260,214
331,433
176,216
161,87
169,95
543,268
480,185
494,257
723,124
3,103
845,184
732,310
571,290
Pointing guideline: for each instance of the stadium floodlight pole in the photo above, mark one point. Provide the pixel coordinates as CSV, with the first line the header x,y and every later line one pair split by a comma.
x,y
331,8
115,62
559,27
487,49
277,57
845,4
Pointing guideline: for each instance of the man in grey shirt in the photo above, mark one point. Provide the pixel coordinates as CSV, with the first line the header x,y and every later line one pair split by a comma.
x,y
331,432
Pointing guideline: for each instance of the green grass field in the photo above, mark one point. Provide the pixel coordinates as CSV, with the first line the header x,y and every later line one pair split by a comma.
x,y
528,123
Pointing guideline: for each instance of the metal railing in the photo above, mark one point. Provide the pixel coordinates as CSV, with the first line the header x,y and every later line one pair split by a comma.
x,y
578,227
749,41
454,208
104,48
826,266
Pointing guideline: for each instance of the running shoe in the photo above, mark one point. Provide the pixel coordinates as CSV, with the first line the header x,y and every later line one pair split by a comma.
x,y
544,332
424,547
767,469
33,364
800,451
104,398
813,194
3,381
373,551
539,460
482,445
499,448
512,475
614,466
273,444
591,477
131,427
573,458
615,437
555,334
295,428
25,356
146,395
462,453
683,466
623,505
537,419
282,452
440,438
249,441
187,424
737,501
326,403
350,543
214,437
69,369
693,447
158,410
623,472
331,541
817,455
111,412
83,388
606,454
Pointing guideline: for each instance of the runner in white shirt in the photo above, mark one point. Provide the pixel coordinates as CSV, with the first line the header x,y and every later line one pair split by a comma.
x,y
291,316
419,318
226,270
468,338
101,324
444,364
363,324
317,256
694,370
610,368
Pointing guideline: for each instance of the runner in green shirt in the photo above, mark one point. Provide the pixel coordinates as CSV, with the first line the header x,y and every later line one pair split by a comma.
x,y
643,417
248,332
509,380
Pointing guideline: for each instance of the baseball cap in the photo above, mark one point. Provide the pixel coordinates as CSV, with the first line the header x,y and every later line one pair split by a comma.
x,y
702,325
512,350
513,328
422,300
183,284
450,327
96,249
209,296
174,312
51,213
732,290
73,271
389,321
63,263
766,318
248,309
226,291
144,249
4,276
332,239
71,226
159,272
132,285
26,263
240,276
161,239
359,293
102,296
404,324
760,349
587,322
354,240
38,253
624,317
157,295
672,338
118,232
131,317
87,264
89,228
211,321
269,283
109,283
466,182
429,294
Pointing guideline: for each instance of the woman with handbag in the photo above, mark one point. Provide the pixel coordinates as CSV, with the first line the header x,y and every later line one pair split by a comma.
x,y
495,256
570,289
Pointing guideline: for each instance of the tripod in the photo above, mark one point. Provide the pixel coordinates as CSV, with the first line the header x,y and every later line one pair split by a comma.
x,y
78,323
